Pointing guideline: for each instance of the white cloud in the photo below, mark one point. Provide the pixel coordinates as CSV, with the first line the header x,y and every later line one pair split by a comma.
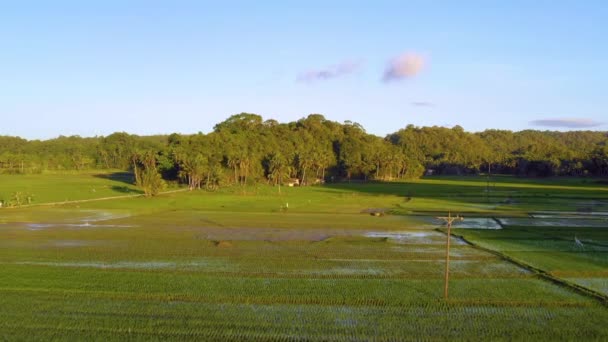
x,y
422,104
406,65
566,122
333,71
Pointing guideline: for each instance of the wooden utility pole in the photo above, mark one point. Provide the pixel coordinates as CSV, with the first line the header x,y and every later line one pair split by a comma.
x,y
448,220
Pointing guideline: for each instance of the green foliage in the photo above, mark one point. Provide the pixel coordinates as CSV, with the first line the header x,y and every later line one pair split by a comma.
x,y
19,198
314,150
146,173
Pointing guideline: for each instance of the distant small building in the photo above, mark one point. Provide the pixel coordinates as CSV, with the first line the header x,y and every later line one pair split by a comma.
x,y
429,172
293,182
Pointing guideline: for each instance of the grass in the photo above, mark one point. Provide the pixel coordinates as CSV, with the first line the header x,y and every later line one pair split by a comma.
x,y
59,187
554,250
310,263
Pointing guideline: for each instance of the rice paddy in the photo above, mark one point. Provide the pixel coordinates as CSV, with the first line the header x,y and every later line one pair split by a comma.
x,y
235,265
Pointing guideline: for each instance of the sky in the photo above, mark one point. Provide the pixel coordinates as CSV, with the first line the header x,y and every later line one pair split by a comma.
x,y
156,67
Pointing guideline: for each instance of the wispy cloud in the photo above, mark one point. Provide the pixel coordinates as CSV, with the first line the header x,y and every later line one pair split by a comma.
x,y
566,123
404,66
422,104
332,71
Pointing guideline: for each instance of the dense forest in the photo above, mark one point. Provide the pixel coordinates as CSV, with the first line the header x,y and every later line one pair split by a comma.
x,y
245,149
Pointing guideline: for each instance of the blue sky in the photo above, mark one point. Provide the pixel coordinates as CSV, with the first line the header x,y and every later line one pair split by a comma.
x,y
146,67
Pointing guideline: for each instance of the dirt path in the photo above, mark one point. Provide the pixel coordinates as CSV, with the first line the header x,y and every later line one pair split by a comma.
x,y
93,199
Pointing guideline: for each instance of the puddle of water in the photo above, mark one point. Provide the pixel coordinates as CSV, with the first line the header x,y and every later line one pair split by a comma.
x,y
43,226
477,223
74,219
413,237
39,226
413,266
136,265
147,265
348,271
554,222
401,235
569,214
72,243
96,216
467,223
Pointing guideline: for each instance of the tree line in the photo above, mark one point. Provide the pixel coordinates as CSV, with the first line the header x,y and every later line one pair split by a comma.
x,y
246,149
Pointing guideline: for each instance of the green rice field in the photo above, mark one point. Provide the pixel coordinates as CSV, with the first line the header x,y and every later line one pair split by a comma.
x,y
529,261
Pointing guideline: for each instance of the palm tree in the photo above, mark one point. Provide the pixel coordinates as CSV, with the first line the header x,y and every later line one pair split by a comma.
x,y
278,168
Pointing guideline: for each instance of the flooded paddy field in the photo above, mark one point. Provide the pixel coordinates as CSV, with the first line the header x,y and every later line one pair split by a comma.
x,y
572,249
236,266
201,278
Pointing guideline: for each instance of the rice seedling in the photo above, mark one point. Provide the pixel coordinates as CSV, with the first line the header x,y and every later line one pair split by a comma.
x,y
225,266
